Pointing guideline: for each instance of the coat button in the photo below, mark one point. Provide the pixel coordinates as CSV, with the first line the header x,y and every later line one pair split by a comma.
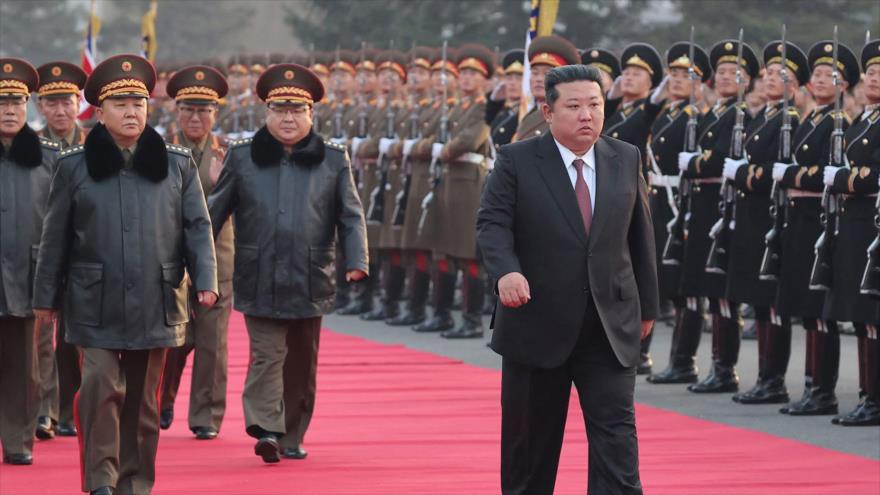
x,y
709,134
662,139
805,147
865,141
281,210
756,137
614,135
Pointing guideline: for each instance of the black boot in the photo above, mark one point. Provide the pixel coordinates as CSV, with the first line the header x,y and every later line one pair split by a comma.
x,y
645,361
363,298
444,291
472,314
867,413
166,417
419,285
685,341
822,399
725,349
809,370
773,341
751,331
393,281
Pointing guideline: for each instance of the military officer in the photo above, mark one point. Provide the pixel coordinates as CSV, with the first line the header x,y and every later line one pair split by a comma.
x,y
60,86
26,166
126,223
606,62
752,178
667,140
197,89
704,169
505,114
284,260
858,188
803,182
545,53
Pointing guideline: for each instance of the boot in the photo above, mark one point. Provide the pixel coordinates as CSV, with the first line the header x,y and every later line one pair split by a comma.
x,y
363,300
668,312
419,283
774,346
751,331
393,282
822,399
867,413
809,370
472,315
645,361
444,291
725,350
685,341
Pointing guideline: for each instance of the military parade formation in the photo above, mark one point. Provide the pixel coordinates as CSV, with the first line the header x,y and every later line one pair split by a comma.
x,y
126,243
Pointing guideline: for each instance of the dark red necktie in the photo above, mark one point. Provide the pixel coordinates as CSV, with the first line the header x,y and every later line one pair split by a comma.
x,y
583,195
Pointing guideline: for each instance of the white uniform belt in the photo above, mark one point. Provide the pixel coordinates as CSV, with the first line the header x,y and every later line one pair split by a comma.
x,y
709,180
797,193
663,180
472,158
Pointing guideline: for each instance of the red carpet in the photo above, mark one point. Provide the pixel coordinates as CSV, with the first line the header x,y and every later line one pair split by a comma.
x,y
390,420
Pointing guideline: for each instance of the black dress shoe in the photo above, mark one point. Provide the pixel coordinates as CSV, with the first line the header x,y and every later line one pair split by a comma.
x,y
771,391
166,417
674,375
645,365
65,430
45,429
437,323
294,453
18,459
818,403
407,319
267,448
382,313
355,307
720,380
867,413
104,490
464,332
808,391
205,432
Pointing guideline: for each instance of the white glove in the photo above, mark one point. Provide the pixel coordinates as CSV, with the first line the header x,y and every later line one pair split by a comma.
x,y
339,141
615,92
385,145
684,159
731,166
779,171
408,146
436,149
355,144
829,174
656,96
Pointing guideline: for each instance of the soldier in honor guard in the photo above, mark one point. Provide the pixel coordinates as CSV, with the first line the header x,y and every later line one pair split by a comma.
x,y
416,255
60,85
703,169
504,112
284,252
606,62
27,163
424,232
197,90
752,176
238,76
667,140
857,186
545,53
126,230
803,183
321,66
464,168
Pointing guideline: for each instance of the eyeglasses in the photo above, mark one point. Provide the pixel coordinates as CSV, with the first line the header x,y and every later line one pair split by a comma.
x,y
295,110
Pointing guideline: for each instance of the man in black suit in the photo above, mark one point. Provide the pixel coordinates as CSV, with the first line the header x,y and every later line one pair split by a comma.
x,y
578,290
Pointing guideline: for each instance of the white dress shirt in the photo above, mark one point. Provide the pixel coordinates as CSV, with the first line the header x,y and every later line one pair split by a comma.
x,y
589,168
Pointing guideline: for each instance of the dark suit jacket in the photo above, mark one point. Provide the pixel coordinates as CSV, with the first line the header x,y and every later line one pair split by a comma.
x,y
529,222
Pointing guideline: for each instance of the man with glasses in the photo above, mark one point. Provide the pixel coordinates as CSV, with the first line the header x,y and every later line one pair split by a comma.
x,y
291,193
197,90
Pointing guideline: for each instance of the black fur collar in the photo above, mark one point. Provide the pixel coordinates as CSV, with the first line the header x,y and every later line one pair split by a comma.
x,y
25,149
267,151
104,159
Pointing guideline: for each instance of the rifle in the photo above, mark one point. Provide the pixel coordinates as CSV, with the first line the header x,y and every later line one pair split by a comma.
x,y
719,253
338,133
436,170
870,285
361,120
673,251
771,262
821,276
402,197
376,213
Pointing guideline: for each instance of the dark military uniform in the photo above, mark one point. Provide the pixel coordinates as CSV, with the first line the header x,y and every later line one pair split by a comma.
x,y
503,116
715,138
603,60
667,140
804,185
284,277
206,334
753,181
26,166
59,361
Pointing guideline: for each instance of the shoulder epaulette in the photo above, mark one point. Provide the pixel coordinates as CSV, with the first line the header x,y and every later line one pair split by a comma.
x,y
55,145
874,116
793,111
183,150
240,142
335,146
72,150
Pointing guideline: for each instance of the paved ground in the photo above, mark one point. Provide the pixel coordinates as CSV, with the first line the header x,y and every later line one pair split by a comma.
x,y
815,430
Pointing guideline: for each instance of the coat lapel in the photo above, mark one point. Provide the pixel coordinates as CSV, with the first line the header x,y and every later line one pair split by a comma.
x,y
553,172
607,171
